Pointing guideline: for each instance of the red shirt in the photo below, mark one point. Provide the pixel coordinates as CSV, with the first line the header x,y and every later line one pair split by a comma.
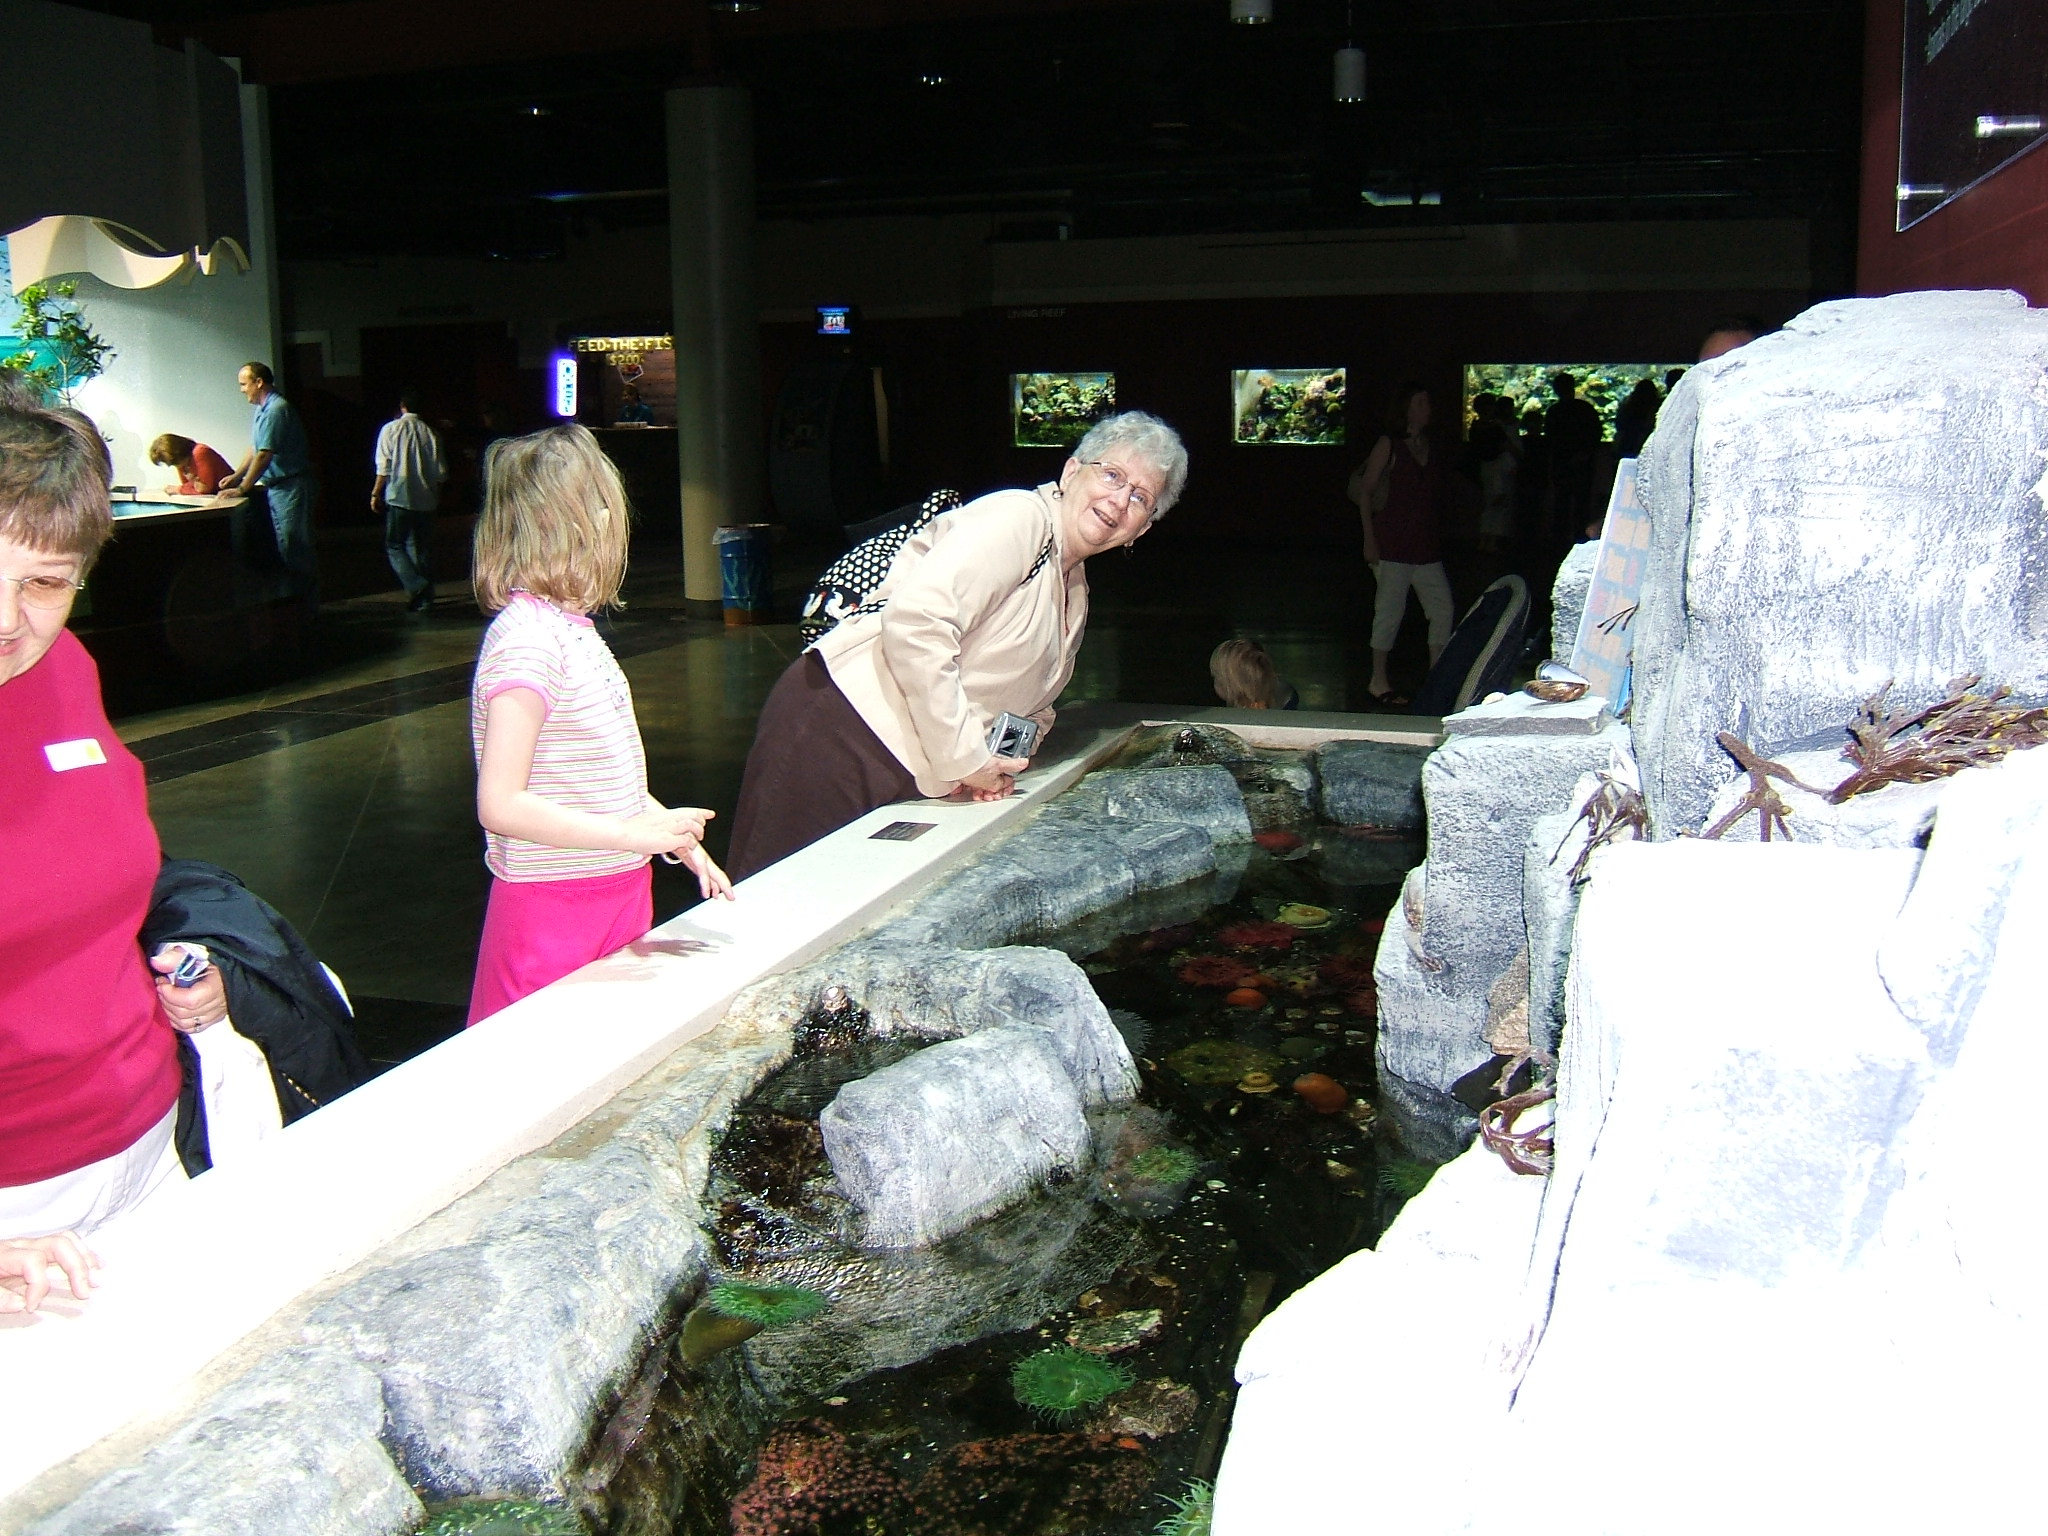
x,y
1409,527
208,469
87,1062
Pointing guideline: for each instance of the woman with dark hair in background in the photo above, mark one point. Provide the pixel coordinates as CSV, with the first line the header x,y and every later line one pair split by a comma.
x,y
200,469
1400,495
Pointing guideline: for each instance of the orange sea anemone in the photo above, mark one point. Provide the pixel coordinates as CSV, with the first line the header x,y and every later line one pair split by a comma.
x,y
1214,971
1246,997
1321,1092
1257,935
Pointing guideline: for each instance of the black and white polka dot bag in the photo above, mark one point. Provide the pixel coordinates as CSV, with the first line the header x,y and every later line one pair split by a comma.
x,y
842,592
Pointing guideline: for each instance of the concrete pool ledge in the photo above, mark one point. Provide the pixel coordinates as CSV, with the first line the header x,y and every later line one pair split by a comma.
x,y
191,1282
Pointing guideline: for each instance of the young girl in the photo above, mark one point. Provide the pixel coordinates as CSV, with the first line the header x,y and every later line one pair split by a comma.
x,y
1246,678
561,785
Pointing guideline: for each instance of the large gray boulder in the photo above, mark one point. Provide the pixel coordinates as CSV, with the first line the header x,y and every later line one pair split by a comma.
x,y
918,993
292,1446
1849,501
495,1353
1371,783
954,1134
1205,796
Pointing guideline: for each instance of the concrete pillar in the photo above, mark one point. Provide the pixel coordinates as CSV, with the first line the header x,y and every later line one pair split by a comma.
x,y
717,322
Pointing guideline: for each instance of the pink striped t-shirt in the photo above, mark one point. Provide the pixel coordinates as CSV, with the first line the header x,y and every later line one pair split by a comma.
x,y
588,757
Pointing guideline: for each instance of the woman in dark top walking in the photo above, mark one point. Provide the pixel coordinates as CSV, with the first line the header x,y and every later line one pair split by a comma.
x,y
1400,495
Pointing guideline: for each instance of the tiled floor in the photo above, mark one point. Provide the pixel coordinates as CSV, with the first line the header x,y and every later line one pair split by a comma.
x,y
345,797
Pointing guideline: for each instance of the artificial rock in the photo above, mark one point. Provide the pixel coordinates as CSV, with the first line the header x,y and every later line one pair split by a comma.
x,y
1850,501
955,1133
291,1446
1371,783
1568,598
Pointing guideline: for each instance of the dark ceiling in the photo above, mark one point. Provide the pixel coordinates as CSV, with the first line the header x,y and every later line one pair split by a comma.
x,y
1089,116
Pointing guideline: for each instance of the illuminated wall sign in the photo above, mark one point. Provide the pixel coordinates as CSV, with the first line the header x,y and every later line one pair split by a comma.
x,y
835,320
624,344
564,392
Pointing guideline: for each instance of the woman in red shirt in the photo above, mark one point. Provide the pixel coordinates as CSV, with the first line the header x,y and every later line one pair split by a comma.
x,y
87,1054
1400,493
199,468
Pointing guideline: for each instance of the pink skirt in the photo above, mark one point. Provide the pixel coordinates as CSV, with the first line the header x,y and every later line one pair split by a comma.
x,y
538,931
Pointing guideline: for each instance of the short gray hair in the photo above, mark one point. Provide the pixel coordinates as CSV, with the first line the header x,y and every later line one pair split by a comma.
x,y
1136,435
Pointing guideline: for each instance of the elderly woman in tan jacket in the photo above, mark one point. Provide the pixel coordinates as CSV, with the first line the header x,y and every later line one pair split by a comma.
x,y
981,614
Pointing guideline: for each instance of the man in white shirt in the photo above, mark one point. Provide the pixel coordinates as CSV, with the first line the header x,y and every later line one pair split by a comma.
x,y
410,472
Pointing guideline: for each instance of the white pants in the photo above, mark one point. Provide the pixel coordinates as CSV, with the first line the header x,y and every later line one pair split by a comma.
x,y
1431,585
91,1196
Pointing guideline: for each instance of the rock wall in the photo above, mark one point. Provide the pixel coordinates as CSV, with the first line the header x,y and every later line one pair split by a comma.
x,y
1853,500
1502,767
1786,1238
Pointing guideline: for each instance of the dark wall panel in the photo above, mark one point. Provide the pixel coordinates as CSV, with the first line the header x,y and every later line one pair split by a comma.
x,y
1993,236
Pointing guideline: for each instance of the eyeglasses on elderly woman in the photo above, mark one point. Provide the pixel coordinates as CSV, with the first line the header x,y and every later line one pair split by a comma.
x,y
1118,480
45,591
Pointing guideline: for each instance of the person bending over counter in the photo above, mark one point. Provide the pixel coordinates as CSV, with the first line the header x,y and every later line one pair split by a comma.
x,y
200,469
87,1048
980,615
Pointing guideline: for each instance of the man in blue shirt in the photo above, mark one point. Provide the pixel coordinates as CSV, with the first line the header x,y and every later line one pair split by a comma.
x,y
280,460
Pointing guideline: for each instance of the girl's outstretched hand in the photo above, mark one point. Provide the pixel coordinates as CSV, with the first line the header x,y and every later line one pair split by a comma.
x,y
656,831
711,880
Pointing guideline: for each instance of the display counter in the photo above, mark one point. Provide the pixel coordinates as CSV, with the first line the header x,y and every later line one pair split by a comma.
x,y
189,586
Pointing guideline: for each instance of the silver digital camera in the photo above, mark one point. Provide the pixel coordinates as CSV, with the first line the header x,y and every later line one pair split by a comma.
x,y
1013,736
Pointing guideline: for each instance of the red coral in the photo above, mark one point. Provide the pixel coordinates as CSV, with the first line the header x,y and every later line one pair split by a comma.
x,y
810,1480
1346,971
1214,971
1031,1485
1257,935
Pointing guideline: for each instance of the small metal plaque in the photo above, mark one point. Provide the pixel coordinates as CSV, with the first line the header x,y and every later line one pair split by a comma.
x,y
901,831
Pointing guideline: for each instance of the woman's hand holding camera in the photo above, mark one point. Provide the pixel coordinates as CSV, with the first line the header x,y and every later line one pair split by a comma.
x,y
995,780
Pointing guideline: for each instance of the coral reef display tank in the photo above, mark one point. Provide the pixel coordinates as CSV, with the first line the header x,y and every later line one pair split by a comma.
x,y
1301,407
1054,410
1527,385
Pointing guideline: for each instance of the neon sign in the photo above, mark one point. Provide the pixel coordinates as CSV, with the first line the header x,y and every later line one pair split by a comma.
x,y
564,390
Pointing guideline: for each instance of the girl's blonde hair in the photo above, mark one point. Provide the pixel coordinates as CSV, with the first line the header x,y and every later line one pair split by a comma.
x,y
1244,675
554,522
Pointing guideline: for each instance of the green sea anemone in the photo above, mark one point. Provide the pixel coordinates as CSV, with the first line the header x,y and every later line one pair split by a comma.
x,y
1165,1165
1193,1510
505,1517
772,1306
1405,1177
1058,1383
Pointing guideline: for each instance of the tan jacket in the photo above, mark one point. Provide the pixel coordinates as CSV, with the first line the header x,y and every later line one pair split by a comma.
x,y
963,636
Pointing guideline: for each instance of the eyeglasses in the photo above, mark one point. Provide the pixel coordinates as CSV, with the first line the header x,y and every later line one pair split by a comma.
x,y
45,591
1117,480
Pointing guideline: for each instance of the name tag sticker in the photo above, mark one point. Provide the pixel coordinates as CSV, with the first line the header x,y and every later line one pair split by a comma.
x,y
86,752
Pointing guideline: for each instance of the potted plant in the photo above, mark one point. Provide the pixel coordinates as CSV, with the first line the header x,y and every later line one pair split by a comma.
x,y
59,349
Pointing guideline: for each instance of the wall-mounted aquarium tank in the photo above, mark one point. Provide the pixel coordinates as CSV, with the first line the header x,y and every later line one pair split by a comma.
x,y
1603,385
1055,410
1290,406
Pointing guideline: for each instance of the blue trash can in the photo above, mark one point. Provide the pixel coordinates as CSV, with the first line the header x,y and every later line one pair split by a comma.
x,y
746,575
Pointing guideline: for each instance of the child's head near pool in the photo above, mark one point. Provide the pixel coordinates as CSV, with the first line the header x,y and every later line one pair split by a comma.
x,y
554,522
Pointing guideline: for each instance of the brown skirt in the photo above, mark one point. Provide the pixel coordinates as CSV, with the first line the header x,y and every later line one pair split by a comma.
x,y
814,767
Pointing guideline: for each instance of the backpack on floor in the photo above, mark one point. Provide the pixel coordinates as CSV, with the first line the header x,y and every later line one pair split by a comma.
x,y
844,588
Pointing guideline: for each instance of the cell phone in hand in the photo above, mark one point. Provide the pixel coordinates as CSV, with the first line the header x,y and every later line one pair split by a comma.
x,y
190,969
1013,735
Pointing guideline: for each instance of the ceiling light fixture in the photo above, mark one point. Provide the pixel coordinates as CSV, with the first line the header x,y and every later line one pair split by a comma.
x,y
734,5
1347,69
1347,74
1251,13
